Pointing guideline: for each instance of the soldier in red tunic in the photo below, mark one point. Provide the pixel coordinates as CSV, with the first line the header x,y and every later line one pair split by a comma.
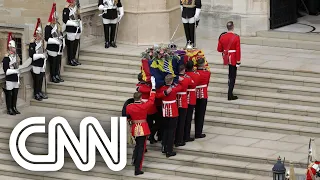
x,y
313,170
191,98
182,105
137,115
145,88
202,98
168,94
229,44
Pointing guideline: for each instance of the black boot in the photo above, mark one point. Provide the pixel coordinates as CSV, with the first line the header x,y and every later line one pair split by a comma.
x,y
138,172
152,140
187,32
58,68
54,79
106,35
42,95
107,45
170,154
14,100
76,45
38,97
113,44
8,95
59,78
164,149
112,35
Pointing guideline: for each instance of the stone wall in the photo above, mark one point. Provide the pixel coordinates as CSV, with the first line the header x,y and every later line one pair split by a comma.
x,y
249,16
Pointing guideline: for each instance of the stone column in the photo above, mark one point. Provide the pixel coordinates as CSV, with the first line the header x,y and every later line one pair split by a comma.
x,y
148,22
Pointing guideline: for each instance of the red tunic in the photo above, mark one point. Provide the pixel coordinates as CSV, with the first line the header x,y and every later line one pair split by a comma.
x,y
138,115
169,103
202,87
191,91
234,51
312,170
145,89
182,99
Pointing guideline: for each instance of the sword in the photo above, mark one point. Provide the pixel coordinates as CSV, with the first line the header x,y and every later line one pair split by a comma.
x,y
309,153
117,29
45,76
195,34
174,33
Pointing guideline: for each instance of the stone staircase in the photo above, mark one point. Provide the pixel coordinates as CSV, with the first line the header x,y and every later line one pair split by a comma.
x,y
278,111
285,40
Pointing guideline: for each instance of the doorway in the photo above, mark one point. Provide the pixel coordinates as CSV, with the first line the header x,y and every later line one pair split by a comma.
x,y
295,15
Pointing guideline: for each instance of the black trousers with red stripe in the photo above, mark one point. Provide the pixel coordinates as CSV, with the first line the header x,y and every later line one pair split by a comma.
x,y
200,111
170,124
181,125
187,126
138,153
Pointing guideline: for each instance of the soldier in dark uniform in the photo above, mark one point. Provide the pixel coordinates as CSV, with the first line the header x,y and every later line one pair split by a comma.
x,y
112,14
229,43
10,65
55,45
137,115
190,17
73,28
36,52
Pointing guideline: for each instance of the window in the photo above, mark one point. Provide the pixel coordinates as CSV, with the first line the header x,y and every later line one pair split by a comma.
x,y
19,48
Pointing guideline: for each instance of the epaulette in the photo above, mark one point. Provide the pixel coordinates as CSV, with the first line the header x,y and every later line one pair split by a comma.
x,y
222,34
236,34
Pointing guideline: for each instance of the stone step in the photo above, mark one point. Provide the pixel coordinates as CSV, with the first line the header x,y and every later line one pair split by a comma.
x,y
284,43
268,77
202,148
262,126
267,87
100,58
109,62
78,106
215,163
128,87
94,88
289,35
263,91
70,172
154,170
39,145
267,97
214,101
130,81
102,70
216,72
285,119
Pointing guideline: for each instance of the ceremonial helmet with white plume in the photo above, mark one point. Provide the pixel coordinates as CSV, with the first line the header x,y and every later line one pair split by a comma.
x,y
10,43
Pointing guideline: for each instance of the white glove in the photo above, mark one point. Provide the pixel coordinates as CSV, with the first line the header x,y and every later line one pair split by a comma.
x,y
197,15
181,8
38,56
238,65
101,7
153,82
12,71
